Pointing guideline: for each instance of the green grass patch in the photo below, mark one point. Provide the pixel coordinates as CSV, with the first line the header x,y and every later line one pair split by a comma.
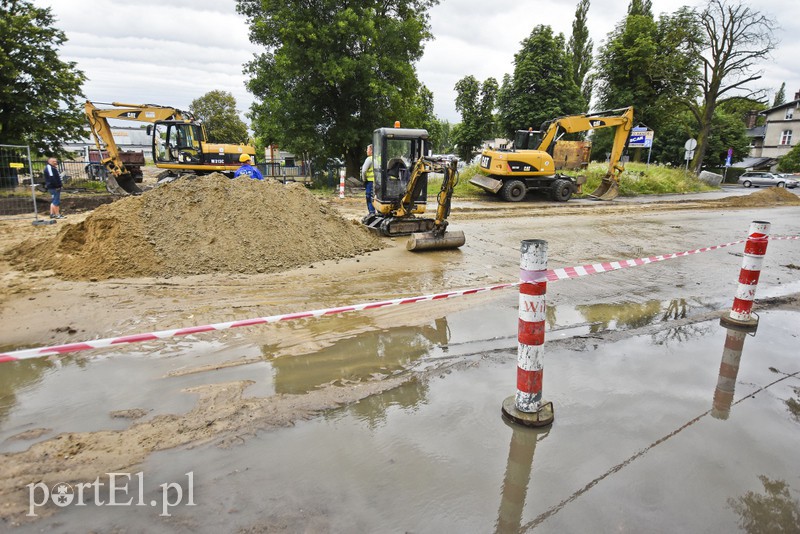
x,y
463,188
643,179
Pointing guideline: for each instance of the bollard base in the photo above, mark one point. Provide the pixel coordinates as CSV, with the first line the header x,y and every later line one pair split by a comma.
x,y
749,326
543,417
43,222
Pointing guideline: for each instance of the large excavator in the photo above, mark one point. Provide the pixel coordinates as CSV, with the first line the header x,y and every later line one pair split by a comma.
x,y
512,173
402,162
179,142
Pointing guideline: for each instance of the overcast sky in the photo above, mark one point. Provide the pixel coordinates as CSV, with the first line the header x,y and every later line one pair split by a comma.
x,y
170,52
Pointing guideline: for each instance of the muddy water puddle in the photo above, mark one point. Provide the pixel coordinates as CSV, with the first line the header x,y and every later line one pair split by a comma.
x,y
40,398
651,434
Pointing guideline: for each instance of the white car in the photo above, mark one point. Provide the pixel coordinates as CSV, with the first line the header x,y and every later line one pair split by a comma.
x,y
759,178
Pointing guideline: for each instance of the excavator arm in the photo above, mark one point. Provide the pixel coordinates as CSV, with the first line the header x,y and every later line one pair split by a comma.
x,y
443,198
623,122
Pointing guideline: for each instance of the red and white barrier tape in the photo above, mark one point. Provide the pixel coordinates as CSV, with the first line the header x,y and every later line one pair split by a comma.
x,y
552,276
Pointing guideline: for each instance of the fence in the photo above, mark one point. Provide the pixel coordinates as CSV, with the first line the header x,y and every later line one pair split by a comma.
x,y
17,195
22,192
287,173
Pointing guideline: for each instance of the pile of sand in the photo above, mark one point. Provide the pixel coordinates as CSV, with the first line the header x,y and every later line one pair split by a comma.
x,y
198,226
770,196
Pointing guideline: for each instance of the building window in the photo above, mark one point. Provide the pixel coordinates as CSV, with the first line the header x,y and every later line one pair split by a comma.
x,y
786,137
789,114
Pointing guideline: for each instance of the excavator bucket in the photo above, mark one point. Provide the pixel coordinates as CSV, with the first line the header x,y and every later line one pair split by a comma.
x,y
432,241
608,190
122,185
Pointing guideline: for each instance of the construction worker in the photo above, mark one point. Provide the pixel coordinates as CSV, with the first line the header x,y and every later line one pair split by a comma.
x,y
368,177
247,168
52,181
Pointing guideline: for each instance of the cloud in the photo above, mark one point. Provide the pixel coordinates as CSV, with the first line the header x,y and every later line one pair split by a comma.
x,y
172,52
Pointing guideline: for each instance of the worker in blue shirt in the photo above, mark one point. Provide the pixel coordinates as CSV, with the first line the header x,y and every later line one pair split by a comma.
x,y
247,169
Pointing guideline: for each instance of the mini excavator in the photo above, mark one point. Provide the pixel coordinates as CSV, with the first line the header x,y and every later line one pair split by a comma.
x,y
512,173
402,163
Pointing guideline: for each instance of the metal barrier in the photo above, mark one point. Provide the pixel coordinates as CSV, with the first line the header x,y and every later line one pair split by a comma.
x,y
17,192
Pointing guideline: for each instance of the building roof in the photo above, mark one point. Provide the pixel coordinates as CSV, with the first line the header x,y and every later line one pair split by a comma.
x,y
757,131
755,163
790,104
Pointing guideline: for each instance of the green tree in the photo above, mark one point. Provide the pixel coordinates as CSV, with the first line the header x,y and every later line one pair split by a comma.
x,y
579,50
641,7
736,37
647,63
780,96
334,72
791,161
217,111
39,93
476,102
542,87
742,107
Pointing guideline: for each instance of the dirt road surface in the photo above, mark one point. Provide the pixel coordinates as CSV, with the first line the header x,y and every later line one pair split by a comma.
x,y
199,390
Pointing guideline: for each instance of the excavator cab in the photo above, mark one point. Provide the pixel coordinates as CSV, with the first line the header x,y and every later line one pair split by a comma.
x,y
177,142
394,150
527,139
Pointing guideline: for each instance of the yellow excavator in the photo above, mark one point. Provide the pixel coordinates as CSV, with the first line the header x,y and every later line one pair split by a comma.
x,y
402,162
528,166
179,143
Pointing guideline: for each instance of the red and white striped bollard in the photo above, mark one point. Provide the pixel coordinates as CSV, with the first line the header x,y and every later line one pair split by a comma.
x,y
527,407
754,250
341,182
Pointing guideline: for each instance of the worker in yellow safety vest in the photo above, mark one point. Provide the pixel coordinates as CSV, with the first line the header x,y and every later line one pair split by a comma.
x,y
368,177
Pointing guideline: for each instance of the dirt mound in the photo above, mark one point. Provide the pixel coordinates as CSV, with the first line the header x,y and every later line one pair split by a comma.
x,y
199,226
764,197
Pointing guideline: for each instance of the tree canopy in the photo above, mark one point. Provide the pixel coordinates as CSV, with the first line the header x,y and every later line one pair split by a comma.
x,y
645,63
542,87
217,111
736,36
579,50
40,95
332,73
476,102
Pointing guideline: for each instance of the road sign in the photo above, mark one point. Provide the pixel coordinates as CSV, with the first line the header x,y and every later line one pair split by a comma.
x,y
690,144
640,138
689,155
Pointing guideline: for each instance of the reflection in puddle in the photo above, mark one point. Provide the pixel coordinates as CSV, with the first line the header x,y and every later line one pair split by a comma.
x,y
774,511
728,371
19,375
357,358
517,477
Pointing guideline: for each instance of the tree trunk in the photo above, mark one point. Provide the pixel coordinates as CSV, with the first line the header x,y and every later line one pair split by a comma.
x,y
702,136
353,163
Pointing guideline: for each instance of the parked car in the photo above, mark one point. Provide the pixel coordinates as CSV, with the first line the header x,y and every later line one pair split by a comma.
x,y
768,179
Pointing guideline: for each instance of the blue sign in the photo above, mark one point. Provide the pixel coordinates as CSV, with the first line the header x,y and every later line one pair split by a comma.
x,y
640,138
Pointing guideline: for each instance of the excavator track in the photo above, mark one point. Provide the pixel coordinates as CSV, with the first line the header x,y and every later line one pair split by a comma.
x,y
389,226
